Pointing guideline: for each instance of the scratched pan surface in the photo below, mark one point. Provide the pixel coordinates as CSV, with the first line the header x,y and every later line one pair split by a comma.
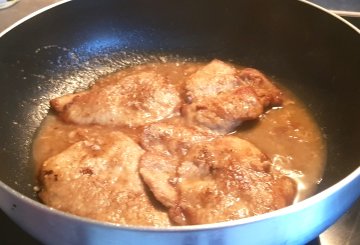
x,y
68,46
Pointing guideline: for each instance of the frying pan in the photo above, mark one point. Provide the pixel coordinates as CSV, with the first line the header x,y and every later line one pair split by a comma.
x,y
66,47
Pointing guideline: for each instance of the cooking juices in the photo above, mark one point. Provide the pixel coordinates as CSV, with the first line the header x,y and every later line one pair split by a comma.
x,y
286,133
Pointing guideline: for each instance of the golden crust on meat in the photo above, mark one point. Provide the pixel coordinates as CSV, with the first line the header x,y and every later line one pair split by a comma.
x,y
132,101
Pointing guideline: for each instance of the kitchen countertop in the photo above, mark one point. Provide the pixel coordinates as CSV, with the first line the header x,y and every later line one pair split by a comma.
x,y
345,231
342,7
10,15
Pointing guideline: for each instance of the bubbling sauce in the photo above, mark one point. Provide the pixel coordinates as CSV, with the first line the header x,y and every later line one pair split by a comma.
x,y
287,134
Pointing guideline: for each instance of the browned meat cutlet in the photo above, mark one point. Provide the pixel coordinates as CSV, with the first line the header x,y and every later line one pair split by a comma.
x,y
221,97
98,178
224,179
210,80
173,136
267,92
165,143
132,100
159,174
225,112
198,176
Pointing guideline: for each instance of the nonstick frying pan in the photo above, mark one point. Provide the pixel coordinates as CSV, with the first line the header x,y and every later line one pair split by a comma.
x,y
63,49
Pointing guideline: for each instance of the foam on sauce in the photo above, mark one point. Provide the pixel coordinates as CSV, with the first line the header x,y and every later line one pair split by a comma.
x,y
288,135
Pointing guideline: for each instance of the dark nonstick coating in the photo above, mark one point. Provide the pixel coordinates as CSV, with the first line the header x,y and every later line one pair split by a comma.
x,y
315,55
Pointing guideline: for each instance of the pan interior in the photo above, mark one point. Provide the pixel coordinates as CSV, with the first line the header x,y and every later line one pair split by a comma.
x,y
66,48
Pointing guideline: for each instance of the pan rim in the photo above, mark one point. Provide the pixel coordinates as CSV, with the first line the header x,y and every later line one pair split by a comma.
x,y
31,15
331,12
37,12
284,211
296,207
